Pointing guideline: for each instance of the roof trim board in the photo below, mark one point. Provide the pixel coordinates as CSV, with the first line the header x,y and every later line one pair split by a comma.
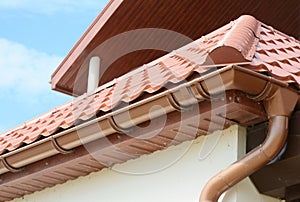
x,y
85,39
122,18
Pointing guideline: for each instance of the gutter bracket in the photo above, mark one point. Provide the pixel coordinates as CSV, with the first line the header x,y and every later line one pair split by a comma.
x,y
173,102
264,93
115,126
9,167
199,92
177,106
60,149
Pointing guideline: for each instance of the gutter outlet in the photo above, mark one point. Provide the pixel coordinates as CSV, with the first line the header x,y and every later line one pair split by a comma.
x,y
279,103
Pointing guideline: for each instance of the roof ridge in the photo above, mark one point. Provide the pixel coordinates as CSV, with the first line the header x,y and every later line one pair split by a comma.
x,y
243,36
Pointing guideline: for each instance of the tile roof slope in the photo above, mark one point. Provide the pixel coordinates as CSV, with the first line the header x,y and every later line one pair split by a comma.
x,y
243,41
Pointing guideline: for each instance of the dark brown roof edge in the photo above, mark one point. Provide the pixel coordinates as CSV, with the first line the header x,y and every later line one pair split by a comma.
x,y
87,36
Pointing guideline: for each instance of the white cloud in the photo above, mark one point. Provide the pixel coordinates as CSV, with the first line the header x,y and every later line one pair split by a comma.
x,y
52,6
24,88
25,71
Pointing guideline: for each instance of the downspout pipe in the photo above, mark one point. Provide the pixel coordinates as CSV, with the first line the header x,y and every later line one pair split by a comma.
x,y
279,106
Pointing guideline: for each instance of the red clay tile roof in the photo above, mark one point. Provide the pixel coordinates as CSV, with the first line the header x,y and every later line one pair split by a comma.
x,y
244,41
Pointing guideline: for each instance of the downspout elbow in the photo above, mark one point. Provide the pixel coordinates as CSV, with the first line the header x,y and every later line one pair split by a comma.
x,y
251,162
279,106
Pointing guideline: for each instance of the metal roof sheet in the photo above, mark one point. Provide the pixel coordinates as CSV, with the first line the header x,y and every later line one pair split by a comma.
x,y
244,41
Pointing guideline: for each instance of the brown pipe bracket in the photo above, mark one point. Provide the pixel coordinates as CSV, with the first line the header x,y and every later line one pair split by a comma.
x,y
9,167
58,148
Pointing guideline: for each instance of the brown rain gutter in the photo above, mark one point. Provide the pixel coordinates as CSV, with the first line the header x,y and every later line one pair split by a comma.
x,y
178,98
279,103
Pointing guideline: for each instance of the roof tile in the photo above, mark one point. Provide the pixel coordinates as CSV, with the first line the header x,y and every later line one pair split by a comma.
x,y
266,49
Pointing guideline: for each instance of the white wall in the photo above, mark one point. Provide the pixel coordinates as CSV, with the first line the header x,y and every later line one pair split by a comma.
x,y
193,164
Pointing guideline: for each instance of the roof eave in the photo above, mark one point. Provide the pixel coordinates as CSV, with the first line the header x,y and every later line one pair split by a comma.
x,y
63,77
82,43
232,78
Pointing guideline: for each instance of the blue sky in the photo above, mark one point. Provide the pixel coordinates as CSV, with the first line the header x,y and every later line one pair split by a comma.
x,y
34,38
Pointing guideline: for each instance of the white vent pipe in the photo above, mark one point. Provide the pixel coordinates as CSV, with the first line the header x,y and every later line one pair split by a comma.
x,y
94,73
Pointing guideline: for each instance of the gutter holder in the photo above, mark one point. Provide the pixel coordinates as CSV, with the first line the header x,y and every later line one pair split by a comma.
x,y
9,167
264,93
59,148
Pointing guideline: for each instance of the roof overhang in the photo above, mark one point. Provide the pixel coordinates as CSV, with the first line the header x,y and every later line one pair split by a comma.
x,y
196,18
223,97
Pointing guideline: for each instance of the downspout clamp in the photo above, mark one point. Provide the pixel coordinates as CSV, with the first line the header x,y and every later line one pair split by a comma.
x,y
279,103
